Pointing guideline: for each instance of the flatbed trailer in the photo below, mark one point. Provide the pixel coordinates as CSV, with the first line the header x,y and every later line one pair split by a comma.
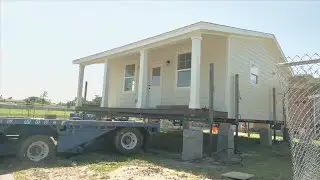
x,y
37,140
181,113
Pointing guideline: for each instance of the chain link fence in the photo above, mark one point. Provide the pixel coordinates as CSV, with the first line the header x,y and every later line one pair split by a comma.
x,y
300,85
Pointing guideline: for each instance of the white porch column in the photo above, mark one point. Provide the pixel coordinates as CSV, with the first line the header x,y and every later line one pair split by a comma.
x,y
80,85
105,87
195,73
143,80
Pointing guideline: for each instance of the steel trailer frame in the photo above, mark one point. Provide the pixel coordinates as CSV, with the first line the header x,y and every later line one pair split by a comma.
x,y
169,113
72,136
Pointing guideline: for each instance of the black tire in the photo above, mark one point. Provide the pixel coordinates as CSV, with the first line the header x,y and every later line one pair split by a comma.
x,y
125,132
44,140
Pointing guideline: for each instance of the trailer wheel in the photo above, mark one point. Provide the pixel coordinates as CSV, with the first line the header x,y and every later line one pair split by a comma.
x,y
37,148
128,140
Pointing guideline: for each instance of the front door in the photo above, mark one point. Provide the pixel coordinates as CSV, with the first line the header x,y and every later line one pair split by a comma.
x,y
155,86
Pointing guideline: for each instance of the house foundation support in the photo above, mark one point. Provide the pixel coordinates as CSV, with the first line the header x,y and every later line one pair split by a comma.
x,y
225,138
265,134
192,144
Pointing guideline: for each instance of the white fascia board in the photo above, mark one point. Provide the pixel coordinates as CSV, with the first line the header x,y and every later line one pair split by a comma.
x,y
233,30
141,43
279,47
171,34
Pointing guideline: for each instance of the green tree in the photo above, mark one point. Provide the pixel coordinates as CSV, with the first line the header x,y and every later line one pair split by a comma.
x,y
36,100
96,100
43,96
31,100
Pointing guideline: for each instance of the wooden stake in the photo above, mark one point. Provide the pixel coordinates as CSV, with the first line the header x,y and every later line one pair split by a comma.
x,y
211,105
274,113
236,111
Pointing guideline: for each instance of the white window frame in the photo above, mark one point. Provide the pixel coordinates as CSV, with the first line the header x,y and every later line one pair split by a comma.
x,y
256,74
179,70
158,65
124,78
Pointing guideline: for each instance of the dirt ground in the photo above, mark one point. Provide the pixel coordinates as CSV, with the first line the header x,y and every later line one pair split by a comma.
x,y
96,166
265,163
125,172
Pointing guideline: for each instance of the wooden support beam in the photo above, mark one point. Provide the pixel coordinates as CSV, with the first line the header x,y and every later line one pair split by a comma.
x,y
236,111
274,112
85,91
211,105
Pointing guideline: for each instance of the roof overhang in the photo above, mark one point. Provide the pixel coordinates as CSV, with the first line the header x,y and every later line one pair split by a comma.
x,y
173,35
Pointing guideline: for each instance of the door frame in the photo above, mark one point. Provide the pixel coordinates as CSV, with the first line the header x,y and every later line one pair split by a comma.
x,y
155,65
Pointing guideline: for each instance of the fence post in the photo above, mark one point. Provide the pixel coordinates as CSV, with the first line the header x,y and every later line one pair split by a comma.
x,y
248,130
236,111
85,91
274,113
211,105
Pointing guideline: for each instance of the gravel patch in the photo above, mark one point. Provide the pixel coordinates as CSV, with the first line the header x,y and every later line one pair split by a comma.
x,y
149,172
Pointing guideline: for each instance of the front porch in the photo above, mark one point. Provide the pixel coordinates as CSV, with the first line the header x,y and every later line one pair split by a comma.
x,y
173,73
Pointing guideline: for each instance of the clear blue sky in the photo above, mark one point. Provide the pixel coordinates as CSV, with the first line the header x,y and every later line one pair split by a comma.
x,y
40,39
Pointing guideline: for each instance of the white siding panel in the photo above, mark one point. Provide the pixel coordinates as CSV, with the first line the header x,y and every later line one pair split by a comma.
x,y
256,100
213,51
170,94
117,97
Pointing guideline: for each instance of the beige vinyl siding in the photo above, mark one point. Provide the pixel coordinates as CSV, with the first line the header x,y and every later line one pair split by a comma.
x,y
256,100
170,94
213,51
117,97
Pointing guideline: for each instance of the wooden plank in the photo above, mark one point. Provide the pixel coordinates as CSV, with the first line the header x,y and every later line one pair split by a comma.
x,y
171,114
153,111
211,105
237,102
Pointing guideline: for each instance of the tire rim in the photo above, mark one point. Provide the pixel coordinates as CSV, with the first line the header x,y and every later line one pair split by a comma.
x,y
129,140
37,151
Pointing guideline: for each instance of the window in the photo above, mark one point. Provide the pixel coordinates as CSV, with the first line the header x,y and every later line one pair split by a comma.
x,y
184,70
254,73
156,79
129,77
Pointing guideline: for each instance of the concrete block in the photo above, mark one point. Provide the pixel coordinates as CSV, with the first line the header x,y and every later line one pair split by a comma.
x,y
192,144
237,175
6,177
225,138
265,136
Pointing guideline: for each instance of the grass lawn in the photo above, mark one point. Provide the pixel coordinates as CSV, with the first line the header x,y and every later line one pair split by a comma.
x,y
252,135
34,113
266,163
257,136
